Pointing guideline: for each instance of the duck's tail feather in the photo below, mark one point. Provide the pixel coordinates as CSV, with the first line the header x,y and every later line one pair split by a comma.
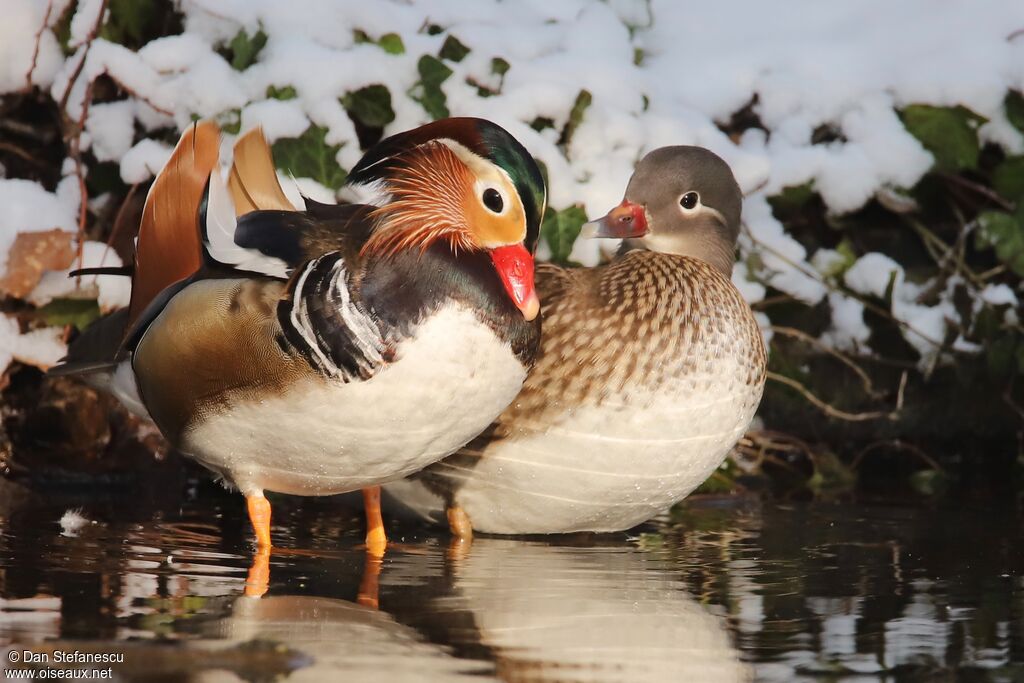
x,y
169,248
251,186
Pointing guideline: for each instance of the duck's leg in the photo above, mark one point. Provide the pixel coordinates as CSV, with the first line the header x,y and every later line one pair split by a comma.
x,y
369,586
376,539
259,573
259,515
459,522
258,581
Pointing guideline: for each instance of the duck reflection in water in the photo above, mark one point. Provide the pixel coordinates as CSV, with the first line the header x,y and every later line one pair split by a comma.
x,y
551,612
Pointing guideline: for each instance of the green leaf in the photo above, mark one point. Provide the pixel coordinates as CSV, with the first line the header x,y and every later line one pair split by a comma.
x,y
831,475
230,121
286,93
1001,356
77,312
245,48
453,49
428,91
1005,232
929,482
1014,105
560,229
392,44
309,156
949,133
371,105
579,109
128,21
500,66
1008,178
792,197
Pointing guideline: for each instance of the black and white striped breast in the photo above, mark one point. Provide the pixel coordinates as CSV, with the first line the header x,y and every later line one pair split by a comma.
x,y
324,322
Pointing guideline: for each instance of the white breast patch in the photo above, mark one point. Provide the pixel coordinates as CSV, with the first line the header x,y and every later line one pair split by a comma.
x,y
321,437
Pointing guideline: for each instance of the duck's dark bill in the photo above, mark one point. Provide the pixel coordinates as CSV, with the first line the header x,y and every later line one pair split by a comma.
x,y
624,221
515,268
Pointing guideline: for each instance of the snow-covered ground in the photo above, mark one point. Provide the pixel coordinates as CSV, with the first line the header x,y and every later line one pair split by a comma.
x,y
659,72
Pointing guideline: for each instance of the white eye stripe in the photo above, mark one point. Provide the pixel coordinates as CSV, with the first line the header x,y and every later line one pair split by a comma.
x,y
493,198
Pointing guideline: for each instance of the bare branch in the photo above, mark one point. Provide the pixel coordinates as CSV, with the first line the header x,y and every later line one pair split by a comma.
x,y
838,413
843,358
35,50
899,445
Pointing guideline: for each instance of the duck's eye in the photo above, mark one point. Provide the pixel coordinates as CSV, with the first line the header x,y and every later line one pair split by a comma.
x,y
689,201
492,200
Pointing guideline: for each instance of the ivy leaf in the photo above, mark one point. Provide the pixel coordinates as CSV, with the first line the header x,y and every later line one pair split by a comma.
x,y
1001,355
499,66
579,109
1005,232
284,93
792,197
949,133
128,21
371,105
453,49
77,312
309,156
392,44
1014,106
428,91
560,229
929,482
245,48
230,121
1008,178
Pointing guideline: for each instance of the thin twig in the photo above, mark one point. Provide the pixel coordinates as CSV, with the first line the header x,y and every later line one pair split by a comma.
x,y
838,413
35,50
95,31
869,305
898,445
18,151
978,188
836,353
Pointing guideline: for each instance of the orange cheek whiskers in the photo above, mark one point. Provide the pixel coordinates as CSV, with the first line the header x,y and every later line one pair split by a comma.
x,y
427,191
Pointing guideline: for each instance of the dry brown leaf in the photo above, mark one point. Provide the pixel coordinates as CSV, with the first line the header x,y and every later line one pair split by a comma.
x,y
31,255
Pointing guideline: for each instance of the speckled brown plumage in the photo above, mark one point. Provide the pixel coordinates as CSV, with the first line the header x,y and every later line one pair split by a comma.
x,y
639,323
630,327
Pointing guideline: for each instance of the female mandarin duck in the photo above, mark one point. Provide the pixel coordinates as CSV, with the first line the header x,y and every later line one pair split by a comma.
x,y
651,367
336,348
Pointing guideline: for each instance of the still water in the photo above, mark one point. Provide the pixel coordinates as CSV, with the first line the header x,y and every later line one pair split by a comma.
x,y
724,589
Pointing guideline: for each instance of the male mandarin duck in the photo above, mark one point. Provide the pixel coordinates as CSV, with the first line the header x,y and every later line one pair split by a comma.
x,y
651,368
338,347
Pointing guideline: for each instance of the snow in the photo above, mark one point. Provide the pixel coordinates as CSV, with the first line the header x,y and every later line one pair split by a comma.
x,y
144,161
27,207
110,291
659,72
41,348
22,21
111,127
84,20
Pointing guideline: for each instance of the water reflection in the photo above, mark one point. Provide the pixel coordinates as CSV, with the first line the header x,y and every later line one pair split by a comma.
x,y
599,613
721,592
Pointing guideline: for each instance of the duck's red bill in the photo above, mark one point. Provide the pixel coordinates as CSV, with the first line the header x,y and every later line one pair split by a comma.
x,y
515,268
624,221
